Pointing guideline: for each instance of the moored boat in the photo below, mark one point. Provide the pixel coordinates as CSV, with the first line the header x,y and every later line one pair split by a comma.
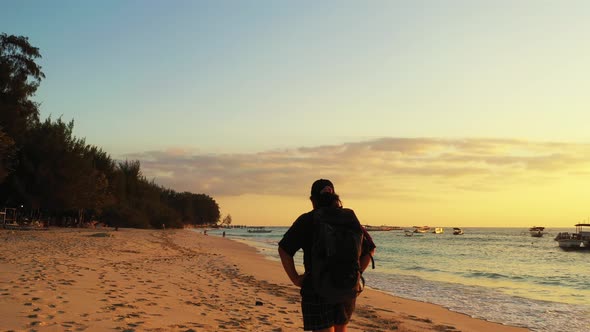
x,y
438,230
259,230
379,228
457,231
580,240
537,231
421,229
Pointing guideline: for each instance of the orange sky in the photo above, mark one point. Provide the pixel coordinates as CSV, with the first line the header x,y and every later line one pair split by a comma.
x,y
436,182
473,113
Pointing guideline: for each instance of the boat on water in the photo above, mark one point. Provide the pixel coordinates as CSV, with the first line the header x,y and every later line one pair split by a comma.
x,y
438,230
421,229
258,230
382,228
537,231
580,240
378,228
457,231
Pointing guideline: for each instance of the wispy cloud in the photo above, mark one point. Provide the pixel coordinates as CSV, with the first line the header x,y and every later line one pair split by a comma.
x,y
386,165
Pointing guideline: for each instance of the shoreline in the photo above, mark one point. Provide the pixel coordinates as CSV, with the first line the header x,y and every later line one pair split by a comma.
x,y
175,280
419,306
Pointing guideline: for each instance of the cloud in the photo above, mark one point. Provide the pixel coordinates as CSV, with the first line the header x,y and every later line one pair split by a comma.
x,y
392,166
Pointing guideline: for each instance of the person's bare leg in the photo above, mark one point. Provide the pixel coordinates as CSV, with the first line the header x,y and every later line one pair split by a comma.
x,y
328,329
340,328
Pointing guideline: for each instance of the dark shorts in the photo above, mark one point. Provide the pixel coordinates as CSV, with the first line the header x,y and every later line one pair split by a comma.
x,y
318,315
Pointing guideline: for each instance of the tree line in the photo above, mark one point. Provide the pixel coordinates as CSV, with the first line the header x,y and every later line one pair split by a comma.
x,y
49,174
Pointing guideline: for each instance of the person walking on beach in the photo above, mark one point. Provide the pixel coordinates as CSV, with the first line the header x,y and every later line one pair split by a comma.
x,y
336,250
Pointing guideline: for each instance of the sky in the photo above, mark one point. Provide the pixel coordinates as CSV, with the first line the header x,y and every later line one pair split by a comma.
x,y
441,113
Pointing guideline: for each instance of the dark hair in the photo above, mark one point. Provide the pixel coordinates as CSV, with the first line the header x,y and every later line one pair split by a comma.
x,y
323,194
325,200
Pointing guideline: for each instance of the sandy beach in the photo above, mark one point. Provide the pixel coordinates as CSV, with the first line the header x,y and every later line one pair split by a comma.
x,y
173,280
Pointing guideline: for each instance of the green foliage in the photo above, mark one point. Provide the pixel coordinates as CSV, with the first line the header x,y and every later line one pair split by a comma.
x,y
57,176
125,216
56,171
227,220
194,209
7,152
20,77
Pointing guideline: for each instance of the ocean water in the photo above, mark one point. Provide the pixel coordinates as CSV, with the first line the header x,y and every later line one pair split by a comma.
x,y
498,274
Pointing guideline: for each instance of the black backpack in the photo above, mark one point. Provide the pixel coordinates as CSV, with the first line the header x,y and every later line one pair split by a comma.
x,y
335,254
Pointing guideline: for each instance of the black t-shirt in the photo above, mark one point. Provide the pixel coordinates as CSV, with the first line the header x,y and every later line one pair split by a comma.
x,y
300,236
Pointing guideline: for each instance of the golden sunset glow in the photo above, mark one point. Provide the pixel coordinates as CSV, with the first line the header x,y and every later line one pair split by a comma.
x,y
438,182
460,113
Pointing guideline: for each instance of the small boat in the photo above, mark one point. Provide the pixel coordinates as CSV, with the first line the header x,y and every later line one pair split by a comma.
x,y
382,228
537,231
457,231
580,240
378,228
438,230
408,232
259,230
421,229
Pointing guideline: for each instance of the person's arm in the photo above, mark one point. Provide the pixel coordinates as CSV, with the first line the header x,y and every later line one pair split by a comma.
x,y
365,260
368,248
289,266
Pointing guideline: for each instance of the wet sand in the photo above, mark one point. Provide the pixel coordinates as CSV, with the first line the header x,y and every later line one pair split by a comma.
x,y
173,280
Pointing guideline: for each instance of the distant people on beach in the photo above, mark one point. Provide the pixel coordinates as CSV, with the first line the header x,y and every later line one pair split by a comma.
x,y
223,234
327,305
